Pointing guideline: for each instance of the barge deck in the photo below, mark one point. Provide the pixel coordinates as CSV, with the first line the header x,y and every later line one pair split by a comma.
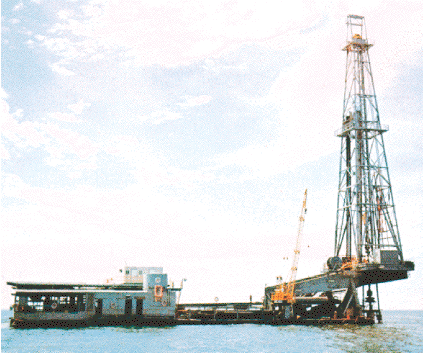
x,y
255,313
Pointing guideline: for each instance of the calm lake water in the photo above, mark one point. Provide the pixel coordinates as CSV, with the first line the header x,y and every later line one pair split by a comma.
x,y
402,331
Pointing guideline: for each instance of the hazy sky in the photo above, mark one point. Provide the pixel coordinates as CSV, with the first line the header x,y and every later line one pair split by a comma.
x,y
183,134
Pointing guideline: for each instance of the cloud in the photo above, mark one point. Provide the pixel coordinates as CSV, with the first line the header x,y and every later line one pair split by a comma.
x,y
71,213
70,118
61,70
23,134
4,154
161,116
3,94
64,15
171,34
136,213
122,145
12,185
152,169
195,101
33,134
307,100
30,43
149,167
18,7
210,64
77,108
73,142
267,160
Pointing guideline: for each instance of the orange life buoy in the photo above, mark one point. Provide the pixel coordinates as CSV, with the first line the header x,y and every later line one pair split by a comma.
x,y
54,305
158,291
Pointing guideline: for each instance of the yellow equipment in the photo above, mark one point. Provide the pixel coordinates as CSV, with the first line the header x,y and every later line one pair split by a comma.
x,y
285,291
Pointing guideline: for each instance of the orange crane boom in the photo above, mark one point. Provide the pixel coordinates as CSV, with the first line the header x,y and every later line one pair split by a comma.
x,y
285,291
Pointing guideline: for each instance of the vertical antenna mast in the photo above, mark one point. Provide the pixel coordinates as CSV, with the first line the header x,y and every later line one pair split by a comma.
x,y
366,219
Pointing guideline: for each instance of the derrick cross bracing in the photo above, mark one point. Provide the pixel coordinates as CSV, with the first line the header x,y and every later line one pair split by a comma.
x,y
367,241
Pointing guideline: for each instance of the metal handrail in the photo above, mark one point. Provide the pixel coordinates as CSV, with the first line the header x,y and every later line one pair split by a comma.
x,y
368,126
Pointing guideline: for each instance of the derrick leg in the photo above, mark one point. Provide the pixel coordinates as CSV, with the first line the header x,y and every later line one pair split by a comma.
x,y
369,302
350,307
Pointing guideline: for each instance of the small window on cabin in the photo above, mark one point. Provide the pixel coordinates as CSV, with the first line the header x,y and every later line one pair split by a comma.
x,y
127,272
139,273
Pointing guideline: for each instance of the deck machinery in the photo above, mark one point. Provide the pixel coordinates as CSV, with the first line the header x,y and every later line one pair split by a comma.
x,y
367,241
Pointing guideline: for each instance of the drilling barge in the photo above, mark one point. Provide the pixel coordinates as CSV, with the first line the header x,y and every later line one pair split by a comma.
x,y
367,250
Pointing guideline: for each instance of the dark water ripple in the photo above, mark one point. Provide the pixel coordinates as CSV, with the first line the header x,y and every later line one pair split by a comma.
x,y
402,331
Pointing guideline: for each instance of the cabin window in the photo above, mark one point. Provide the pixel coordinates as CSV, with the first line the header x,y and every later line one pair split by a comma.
x,y
127,272
29,303
62,303
36,302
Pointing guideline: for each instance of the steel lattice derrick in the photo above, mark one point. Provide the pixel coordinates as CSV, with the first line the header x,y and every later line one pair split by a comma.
x,y
366,218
